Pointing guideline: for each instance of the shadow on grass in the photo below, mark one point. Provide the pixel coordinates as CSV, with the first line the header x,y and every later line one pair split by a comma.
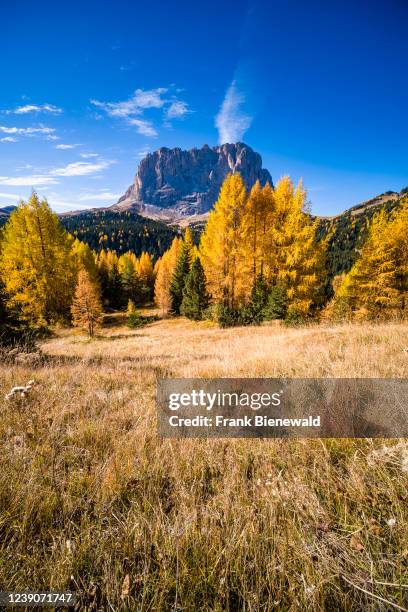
x,y
114,319
115,337
100,361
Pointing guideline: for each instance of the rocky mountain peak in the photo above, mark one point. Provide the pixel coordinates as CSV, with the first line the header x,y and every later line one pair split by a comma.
x,y
184,183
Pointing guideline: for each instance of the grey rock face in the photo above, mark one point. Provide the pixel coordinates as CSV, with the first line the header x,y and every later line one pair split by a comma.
x,y
188,182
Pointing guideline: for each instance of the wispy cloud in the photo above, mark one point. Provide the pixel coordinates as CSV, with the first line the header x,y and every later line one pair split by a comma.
x,y
126,67
144,127
231,121
85,200
10,196
88,155
81,168
34,108
8,139
52,176
104,195
28,181
43,130
177,109
140,100
64,147
143,152
133,110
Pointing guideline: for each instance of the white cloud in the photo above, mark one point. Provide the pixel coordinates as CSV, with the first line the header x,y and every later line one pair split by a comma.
x,y
50,177
151,98
144,127
102,195
27,181
61,204
88,155
143,152
35,108
72,201
177,109
10,196
140,100
133,109
81,168
64,147
30,131
231,121
8,139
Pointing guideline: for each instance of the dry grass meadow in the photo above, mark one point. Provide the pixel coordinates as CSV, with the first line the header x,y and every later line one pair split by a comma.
x,y
92,500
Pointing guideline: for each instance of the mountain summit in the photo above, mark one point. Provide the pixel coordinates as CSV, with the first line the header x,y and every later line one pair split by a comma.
x,y
176,183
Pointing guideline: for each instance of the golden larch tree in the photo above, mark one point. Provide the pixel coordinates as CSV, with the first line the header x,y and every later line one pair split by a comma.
x,y
377,284
221,243
37,265
86,307
258,222
85,259
145,272
297,257
164,275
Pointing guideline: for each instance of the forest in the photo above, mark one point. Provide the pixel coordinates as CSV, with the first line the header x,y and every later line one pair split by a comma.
x,y
347,233
120,231
260,257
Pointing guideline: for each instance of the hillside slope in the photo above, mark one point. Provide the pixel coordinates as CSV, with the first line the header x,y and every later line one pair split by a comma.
x,y
347,231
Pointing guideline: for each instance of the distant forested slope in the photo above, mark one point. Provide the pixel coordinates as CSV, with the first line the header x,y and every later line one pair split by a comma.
x,y
347,232
120,231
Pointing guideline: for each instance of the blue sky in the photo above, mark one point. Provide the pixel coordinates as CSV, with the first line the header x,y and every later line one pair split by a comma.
x,y
319,88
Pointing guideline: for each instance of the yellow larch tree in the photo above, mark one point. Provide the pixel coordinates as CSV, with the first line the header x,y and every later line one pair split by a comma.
x,y
377,284
37,265
86,307
145,272
221,244
257,224
164,275
85,259
298,256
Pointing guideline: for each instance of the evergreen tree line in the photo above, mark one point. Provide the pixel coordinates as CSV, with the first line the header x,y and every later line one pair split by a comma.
x,y
120,231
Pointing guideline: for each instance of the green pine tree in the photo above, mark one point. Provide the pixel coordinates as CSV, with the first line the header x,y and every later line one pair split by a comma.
x,y
130,283
258,300
195,295
179,278
12,328
114,290
276,305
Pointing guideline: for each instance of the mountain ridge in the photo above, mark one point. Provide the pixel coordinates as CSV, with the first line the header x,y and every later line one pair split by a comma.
x,y
176,183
